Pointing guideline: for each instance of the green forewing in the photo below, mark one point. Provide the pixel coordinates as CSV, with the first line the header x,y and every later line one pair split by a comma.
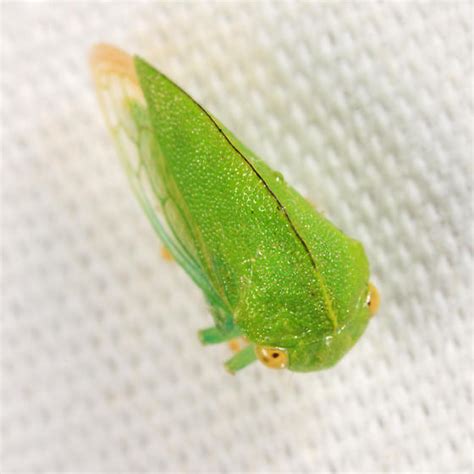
x,y
285,273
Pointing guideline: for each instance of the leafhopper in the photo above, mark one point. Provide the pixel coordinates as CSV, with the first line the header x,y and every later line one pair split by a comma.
x,y
274,271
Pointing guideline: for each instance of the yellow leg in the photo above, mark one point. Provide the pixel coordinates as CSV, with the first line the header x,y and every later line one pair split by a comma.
x,y
234,344
165,254
237,344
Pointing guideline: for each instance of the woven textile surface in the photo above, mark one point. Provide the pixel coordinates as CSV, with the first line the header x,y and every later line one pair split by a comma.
x,y
367,109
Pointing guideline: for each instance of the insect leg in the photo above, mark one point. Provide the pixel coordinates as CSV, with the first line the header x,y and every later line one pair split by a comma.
x,y
166,254
214,335
240,360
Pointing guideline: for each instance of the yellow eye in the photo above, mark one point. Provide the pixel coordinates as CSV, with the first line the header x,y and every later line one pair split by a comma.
x,y
271,357
373,300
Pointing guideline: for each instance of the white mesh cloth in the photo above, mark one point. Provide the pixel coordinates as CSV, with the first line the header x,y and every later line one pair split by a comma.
x,y
367,110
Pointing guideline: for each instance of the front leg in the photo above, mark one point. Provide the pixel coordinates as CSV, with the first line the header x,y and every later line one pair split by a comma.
x,y
214,335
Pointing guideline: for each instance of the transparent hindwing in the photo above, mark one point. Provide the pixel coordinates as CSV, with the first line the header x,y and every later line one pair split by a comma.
x,y
125,110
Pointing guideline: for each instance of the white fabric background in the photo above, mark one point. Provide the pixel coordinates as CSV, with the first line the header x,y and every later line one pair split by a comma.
x,y
367,109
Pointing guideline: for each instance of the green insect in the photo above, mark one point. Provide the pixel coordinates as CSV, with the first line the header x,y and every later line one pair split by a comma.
x,y
277,275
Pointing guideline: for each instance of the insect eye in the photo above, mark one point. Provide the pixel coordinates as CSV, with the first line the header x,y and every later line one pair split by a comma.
x,y
272,357
373,299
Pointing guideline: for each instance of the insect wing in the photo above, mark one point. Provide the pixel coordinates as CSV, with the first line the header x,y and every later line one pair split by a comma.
x,y
126,114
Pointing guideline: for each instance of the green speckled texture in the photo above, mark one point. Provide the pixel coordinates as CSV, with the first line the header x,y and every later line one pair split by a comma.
x,y
288,276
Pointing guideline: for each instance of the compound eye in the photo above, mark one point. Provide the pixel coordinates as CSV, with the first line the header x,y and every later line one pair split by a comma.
x,y
272,357
373,299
